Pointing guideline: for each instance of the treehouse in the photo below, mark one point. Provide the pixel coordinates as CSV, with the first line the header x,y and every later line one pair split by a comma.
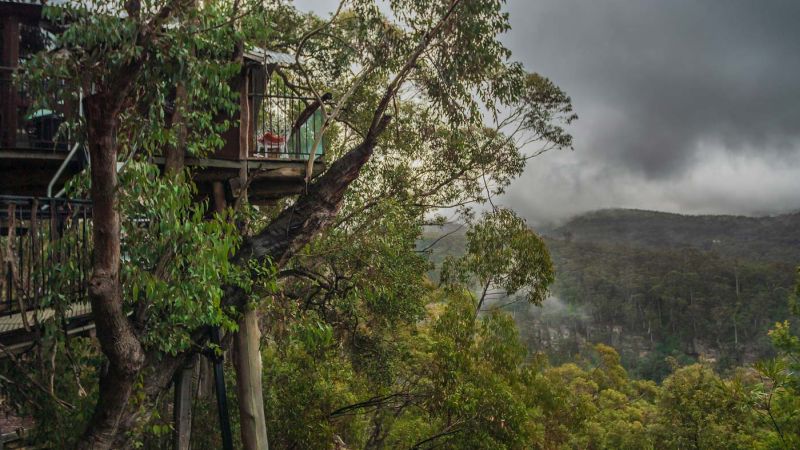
x,y
267,149
276,131
31,149
265,156
45,238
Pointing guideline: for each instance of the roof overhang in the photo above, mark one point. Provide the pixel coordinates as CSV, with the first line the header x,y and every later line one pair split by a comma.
x,y
269,57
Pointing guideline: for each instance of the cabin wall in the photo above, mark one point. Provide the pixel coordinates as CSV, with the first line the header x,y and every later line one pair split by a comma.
x,y
239,138
20,37
8,94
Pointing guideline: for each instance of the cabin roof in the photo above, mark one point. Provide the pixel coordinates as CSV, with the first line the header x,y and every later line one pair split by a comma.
x,y
267,57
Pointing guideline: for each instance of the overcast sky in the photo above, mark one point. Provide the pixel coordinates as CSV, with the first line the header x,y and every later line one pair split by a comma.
x,y
688,106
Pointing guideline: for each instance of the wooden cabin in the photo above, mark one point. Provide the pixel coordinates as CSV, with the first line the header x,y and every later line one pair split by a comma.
x,y
274,137
264,156
31,151
266,150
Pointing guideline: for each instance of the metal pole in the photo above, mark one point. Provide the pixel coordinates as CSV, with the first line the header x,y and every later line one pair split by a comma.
x,y
222,399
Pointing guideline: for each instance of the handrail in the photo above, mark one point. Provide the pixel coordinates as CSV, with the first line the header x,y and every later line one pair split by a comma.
x,y
284,123
25,198
60,170
42,233
69,157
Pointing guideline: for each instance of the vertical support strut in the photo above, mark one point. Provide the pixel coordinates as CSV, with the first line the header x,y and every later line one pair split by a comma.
x,y
9,58
219,374
222,399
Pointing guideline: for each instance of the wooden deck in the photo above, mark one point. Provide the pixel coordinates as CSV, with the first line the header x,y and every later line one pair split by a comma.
x,y
268,179
27,172
15,337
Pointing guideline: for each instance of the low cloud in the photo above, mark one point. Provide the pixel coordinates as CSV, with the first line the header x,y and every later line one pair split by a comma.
x,y
685,106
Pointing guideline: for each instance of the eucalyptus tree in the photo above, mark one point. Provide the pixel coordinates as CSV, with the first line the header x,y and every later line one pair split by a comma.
x,y
777,397
157,76
364,277
505,255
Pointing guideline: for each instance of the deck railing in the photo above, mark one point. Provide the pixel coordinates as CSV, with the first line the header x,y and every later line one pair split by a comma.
x,y
23,126
286,125
45,253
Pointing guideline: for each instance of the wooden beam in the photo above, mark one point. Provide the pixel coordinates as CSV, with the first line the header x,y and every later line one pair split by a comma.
x,y
280,172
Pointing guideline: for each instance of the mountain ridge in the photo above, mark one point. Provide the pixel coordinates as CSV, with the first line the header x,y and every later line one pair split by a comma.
x,y
765,238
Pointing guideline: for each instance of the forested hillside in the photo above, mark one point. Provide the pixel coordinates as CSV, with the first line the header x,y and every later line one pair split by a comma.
x,y
773,238
657,285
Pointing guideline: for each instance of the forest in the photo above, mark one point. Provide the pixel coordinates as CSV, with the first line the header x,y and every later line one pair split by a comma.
x,y
393,303
656,285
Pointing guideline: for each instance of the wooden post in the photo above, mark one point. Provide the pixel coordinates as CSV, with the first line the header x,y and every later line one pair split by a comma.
x,y
245,130
183,407
246,344
247,360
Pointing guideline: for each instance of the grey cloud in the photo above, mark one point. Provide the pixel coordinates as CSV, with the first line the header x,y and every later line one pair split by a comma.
x,y
678,71
686,105
660,85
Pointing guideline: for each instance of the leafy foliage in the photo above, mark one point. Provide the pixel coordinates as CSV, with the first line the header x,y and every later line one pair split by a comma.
x,y
177,259
503,253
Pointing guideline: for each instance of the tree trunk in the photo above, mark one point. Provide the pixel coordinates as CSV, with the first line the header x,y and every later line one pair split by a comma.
x,y
247,362
114,332
296,225
174,154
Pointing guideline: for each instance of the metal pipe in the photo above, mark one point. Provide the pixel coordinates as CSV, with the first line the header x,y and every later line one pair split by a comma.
x,y
61,170
69,156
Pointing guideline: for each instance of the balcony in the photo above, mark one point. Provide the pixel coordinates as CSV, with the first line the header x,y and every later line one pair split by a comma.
x,y
286,125
45,259
33,143
272,145
25,126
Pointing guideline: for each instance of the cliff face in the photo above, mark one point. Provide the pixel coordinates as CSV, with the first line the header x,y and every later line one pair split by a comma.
x,y
565,338
661,286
